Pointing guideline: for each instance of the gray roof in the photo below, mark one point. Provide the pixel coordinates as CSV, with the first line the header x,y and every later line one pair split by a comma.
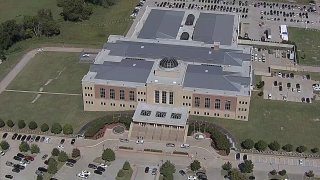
x,y
127,70
161,24
212,28
167,120
213,77
185,53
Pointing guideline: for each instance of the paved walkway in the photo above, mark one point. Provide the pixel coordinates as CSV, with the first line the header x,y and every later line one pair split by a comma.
x,y
27,57
42,92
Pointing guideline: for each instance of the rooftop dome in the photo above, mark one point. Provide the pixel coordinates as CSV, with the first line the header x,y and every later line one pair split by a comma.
x,y
168,62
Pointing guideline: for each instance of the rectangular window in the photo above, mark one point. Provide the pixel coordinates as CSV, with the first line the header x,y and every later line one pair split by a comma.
x,y
112,94
217,104
145,113
161,114
197,101
207,102
102,93
227,106
164,97
131,95
156,96
176,115
122,96
171,98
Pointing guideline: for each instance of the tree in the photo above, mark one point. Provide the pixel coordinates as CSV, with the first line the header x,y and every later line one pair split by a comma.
x,y
126,166
309,174
10,123
2,123
246,166
104,3
301,149
235,174
274,146
74,10
108,155
56,128
247,144
24,147
52,166
63,156
315,150
35,149
21,124
220,140
75,152
67,129
4,145
55,152
273,172
227,166
33,125
288,148
2,55
261,145
120,173
39,177
44,127
282,172
167,169
10,33
195,165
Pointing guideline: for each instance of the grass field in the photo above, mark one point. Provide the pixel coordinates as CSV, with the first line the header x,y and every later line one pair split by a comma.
x,y
308,45
286,122
91,33
48,108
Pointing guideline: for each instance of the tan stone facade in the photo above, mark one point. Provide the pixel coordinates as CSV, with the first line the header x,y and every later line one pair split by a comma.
x,y
97,97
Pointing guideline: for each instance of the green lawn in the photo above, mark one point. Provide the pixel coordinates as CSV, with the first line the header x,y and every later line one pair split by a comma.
x,y
48,108
286,122
308,45
91,33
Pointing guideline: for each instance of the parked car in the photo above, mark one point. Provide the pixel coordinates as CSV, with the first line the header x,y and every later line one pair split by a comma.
x,y
42,169
99,168
2,153
92,166
16,170
20,155
17,158
154,171
4,135
28,138
62,141
192,178
245,157
146,170
8,176
170,145
29,158
18,166
139,141
85,176
238,156
85,172
9,163
182,172
42,139
37,138
44,157
14,136
71,161
19,137
69,164
103,165
73,141
124,140
185,146
23,137
97,172
39,173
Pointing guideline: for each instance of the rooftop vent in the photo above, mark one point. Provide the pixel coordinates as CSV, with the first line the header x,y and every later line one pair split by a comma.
x,y
184,36
189,20
168,63
134,64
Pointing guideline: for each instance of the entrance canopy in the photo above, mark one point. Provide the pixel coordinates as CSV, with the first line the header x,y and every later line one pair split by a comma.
x,y
161,114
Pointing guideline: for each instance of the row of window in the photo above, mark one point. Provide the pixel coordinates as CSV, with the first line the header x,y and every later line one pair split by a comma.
x,y
87,94
243,102
144,100
88,88
186,104
242,109
121,105
242,117
163,97
89,102
217,103
186,97
142,93
112,94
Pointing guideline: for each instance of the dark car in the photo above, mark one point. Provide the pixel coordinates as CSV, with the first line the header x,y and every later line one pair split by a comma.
x,y
37,139
73,141
170,145
97,172
237,156
44,157
62,141
245,157
8,163
15,170
72,161
42,169
146,170
154,171
46,162
101,169
19,137
182,172
8,176
28,138
4,135
23,137
92,166
17,158
69,164
42,139
18,166
202,177
53,179
199,173
14,136
20,155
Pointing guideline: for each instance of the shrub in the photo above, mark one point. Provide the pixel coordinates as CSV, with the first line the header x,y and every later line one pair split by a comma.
x,y
2,123
220,140
288,148
227,166
179,152
4,145
153,150
67,129
39,177
34,148
52,166
56,128
301,149
24,147
120,173
315,150
309,174
126,166
33,125
75,153
108,155
21,124
63,157
247,144
10,123
261,145
124,147
246,166
44,127
260,93
274,146
195,165
55,152
282,172
273,172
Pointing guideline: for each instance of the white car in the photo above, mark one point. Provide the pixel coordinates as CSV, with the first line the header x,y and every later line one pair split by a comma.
x,y
139,141
103,165
85,172
86,55
60,146
47,140
192,178
2,153
85,176
185,146
300,162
